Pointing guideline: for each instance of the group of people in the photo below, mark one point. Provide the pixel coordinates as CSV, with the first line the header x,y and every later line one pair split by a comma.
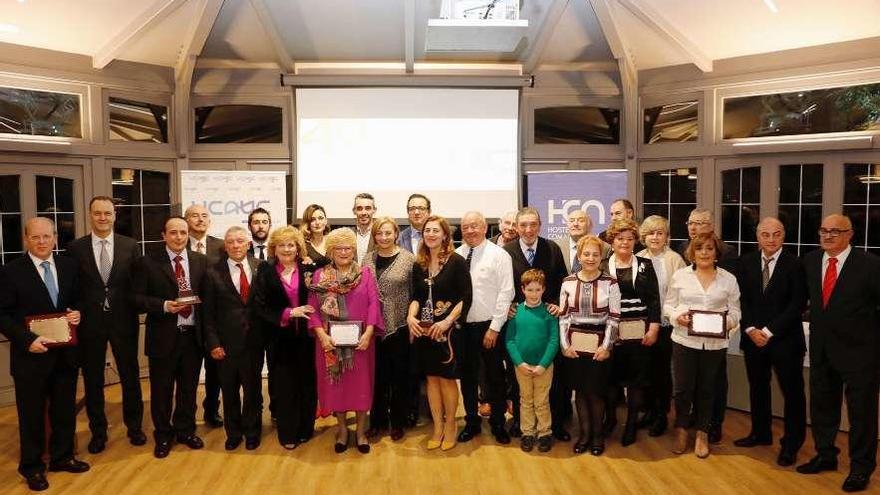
x,y
358,319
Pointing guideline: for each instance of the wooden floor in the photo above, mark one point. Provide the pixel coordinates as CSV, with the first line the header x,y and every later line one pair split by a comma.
x,y
479,467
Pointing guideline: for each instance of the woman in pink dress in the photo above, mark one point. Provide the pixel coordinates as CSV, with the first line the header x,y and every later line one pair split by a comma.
x,y
344,291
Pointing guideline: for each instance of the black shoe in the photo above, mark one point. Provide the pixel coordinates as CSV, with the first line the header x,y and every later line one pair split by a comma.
x,y
715,434
340,447
629,436
252,443
468,433
97,444
232,443
856,482
412,419
70,466
527,443
396,434
545,443
514,430
597,450
786,458
161,450
363,448
659,426
500,435
214,420
561,435
37,482
580,447
752,441
191,441
817,464
137,437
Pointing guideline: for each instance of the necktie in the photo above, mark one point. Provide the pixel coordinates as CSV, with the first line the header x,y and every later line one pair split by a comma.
x,y
261,256
530,255
765,273
104,269
243,287
470,256
829,281
200,247
181,282
576,266
50,283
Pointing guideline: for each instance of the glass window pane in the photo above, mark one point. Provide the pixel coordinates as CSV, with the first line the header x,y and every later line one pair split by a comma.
x,y
662,210
747,247
64,194
65,224
678,215
154,221
874,225
751,185
577,125
39,113
730,183
788,215
12,233
125,223
730,223
672,123
857,215
684,186
749,222
10,201
156,187
45,193
812,185
238,124
656,187
789,184
137,121
811,220
855,187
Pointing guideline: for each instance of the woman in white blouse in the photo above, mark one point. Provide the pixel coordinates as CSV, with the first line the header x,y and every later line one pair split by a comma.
x,y
696,360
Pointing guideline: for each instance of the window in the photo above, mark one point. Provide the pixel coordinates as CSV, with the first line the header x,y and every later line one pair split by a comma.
x,y
55,201
39,113
577,125
143,199
238,124
740,207
673,123
800,206
10,219
861,203
137,121
671,194
846,109
291,213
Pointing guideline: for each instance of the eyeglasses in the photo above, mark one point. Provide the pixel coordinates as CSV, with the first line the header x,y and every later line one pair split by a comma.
x,y
416,208
698,223
832,232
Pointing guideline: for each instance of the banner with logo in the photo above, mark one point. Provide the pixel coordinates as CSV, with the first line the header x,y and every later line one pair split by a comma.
x,y
230,195
555,194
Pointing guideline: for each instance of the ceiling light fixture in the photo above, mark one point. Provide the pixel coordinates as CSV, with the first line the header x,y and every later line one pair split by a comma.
x,y
771,4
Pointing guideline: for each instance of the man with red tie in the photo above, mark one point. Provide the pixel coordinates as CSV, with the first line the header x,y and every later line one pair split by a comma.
x,y
844,291
230,341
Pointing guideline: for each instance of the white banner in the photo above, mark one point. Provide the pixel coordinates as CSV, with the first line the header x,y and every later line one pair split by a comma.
x,y
230,195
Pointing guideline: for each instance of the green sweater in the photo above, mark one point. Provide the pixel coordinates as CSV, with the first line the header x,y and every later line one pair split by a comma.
x,y
532,336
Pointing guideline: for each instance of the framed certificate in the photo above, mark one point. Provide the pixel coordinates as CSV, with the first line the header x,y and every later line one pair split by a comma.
x,y
346,333
53,326
710,324
633,329
585,342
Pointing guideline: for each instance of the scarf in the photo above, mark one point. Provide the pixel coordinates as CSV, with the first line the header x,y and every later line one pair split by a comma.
x,y
331,291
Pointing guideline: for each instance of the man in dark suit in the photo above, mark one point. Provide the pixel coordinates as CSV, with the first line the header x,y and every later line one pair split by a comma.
x,y
532,251
773,297
199,221
260,224
230,341
620,209
418,209
106,300
40,283
173,339
844,289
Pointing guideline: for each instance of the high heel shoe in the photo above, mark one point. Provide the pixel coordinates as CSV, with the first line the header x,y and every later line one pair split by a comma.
x,y
681,441
448,445
434,444
341,447
701,445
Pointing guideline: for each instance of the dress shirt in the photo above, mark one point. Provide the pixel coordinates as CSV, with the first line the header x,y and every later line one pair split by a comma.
x,y
193,244
525,248
190,320
96,248
235,274
52,268
686,293
771,266
492,281
841,259
363,243
256,246
414,239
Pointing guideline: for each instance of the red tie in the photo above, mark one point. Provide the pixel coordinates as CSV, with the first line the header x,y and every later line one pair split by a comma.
x,y
829,281
243,287
181,282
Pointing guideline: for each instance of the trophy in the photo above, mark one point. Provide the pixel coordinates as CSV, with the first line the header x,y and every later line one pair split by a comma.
x,y
185,295
426,318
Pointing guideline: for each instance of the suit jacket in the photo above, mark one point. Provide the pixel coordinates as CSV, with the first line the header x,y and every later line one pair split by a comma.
x,y
564,244
645,285
252,252
268,301
844,334
215,249
779,307
119,289
548,257
404,240
370,246
225,319
155,283
23,293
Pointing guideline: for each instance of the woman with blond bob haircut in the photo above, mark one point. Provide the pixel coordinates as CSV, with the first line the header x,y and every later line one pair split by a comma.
x,y
654,232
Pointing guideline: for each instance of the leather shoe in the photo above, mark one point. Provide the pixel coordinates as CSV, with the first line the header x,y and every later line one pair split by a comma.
x,y
232,443
629,436
469,432
71,466
137,437
545,443
580,447
714,434
561,435
214,420
252,443
162,450
786,458
597,450
514,430
37,482
856,482
817,464
97,444
752,441
500,435
363,448
396,434
191,441
527,443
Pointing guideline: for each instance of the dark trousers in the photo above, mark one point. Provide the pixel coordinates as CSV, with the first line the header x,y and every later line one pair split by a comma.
x,y
57,387
560,394
828,385
391,393
173,382
268,359
92,358
659,392
472,355
241,384
789,366
211,403
719,403
293,367
695,384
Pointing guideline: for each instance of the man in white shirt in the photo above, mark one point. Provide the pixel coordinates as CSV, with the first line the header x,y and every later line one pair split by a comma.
x,y
418,209
492,279
579,224
364,209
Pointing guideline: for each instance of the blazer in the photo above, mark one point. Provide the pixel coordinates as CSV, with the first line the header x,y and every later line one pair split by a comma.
x,y
564,244
252,252
548,257
215,250
23,293
225,317
268,302
155,283
119,288
645,284
779,307
844,334
404,240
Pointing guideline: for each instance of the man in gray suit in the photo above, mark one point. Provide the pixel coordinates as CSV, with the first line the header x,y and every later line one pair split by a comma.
x,y
579,224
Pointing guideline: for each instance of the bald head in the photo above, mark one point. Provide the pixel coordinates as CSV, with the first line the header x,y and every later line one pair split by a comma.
x,y
39,237
771,235
473,228
835,234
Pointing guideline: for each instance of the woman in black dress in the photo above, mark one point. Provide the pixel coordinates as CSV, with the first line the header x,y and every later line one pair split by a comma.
x,y
639,322
441,284
314,226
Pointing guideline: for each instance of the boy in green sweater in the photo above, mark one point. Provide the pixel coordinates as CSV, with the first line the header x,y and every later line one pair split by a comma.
x,y
532,339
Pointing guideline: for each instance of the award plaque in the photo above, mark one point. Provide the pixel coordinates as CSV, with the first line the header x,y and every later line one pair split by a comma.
x,y
585,341
710,324
185,295
53,326
633,329
346,333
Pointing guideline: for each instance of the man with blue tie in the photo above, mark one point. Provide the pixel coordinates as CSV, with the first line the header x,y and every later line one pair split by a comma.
x,y
40,283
